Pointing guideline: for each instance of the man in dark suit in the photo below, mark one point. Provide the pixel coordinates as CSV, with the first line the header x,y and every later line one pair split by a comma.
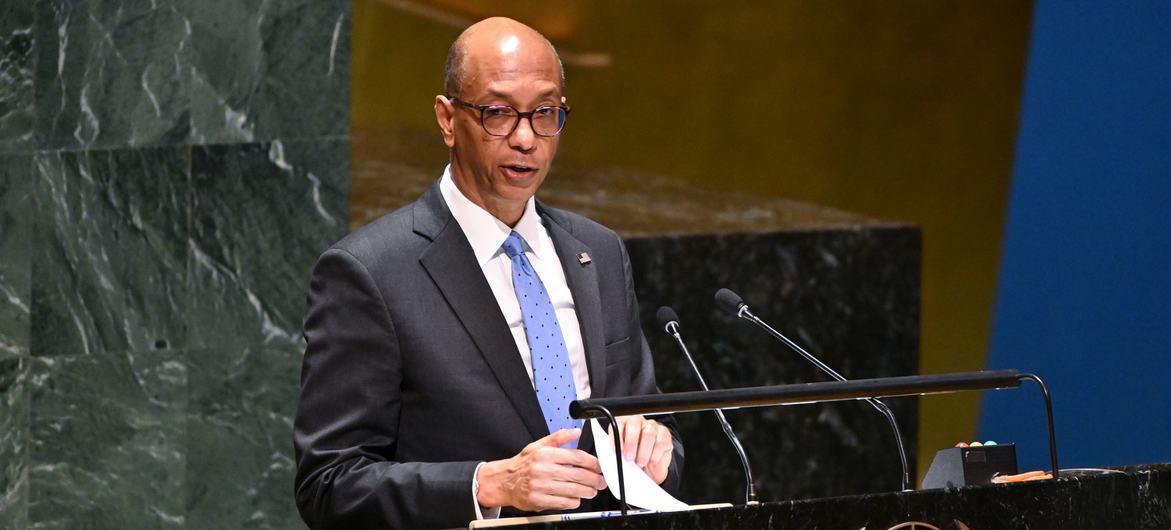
x,y
445,340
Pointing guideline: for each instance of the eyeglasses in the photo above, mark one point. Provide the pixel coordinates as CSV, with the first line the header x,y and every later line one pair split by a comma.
x,y
501,120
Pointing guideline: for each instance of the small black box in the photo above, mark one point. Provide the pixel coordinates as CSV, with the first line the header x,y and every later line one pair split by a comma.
x,y
968,466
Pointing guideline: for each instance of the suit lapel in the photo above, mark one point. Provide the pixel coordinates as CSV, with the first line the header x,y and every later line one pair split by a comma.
x,y
583,283
450,262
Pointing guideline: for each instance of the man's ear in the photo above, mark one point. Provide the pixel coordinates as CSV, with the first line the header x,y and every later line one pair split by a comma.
x,y
445,117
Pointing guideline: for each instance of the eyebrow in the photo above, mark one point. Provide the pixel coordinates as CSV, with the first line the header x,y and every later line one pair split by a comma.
x,y
551,93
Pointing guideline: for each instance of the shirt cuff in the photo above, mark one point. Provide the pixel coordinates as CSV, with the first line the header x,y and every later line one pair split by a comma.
x,y
481,513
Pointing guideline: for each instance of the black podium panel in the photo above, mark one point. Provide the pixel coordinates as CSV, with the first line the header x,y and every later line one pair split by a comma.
x,y
849,295
1137,498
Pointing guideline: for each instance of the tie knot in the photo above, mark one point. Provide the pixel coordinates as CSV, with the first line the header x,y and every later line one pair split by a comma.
x,y
514,246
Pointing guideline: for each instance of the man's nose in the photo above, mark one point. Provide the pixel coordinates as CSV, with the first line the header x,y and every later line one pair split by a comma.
x,y
523,137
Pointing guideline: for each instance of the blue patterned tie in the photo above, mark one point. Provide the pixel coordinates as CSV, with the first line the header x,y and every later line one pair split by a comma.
x,y
552,376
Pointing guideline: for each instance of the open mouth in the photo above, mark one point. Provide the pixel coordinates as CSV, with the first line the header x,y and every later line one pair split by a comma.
x,y
519,171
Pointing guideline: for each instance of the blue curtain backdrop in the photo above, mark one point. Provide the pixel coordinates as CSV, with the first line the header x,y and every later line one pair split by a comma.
x,y
1085,285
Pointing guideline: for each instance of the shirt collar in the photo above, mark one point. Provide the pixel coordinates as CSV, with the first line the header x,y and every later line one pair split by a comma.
x,y
485,232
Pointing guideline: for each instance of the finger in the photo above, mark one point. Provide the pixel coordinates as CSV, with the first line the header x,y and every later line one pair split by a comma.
x,y
544,501
583,466
584,460
582,476
569,457
554,478
661,461
559,438
631,429
659,467
565,488
663,444
646,443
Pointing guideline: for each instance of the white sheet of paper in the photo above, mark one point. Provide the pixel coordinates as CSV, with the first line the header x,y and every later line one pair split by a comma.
x,y
641,491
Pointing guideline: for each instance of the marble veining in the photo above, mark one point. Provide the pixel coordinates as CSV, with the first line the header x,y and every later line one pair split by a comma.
x,y
108,436
14,441
850,296
140,273
110,74
15,232
239,456
262,70
141,252
15,247
250,259
110,228
116,74
16,76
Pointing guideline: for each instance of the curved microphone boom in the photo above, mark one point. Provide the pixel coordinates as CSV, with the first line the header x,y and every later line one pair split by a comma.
x,y
670,323
732,303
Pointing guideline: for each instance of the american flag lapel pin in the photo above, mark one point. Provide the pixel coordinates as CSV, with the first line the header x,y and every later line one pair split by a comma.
x,y
583,258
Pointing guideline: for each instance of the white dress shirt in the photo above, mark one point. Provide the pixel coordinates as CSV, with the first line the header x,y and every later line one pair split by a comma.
x,y
486,235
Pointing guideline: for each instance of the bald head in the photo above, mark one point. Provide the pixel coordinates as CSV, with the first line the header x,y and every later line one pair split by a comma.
x,y
490,40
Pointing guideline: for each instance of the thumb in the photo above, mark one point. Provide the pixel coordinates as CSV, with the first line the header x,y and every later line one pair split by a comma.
x,y
560,438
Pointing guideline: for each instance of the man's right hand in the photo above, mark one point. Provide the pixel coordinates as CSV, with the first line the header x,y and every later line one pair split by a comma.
x,y
544,476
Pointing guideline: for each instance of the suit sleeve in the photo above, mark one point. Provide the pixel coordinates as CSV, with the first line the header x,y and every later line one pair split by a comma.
x,y
643,379
347,419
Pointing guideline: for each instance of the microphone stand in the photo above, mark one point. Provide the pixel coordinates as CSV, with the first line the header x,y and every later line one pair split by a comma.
x,y
878,405
672,329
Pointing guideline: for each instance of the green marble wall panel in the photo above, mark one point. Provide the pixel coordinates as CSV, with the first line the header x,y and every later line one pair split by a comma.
x,y
153,285
266,69
262,213
14,441
15,230
111,73
108,441
16,75
124,73
239,451
110,231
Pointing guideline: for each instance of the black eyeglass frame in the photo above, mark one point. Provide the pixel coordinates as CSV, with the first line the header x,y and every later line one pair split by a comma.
x,y
519,116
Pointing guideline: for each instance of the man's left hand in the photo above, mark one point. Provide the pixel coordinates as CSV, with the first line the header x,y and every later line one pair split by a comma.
x,y
648,444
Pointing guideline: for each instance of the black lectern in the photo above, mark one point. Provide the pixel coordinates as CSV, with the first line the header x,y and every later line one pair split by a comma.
x,y
1133,498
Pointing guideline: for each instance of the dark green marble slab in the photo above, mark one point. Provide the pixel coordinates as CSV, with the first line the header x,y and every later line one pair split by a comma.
x,y
108,441
111,73
269,69
262,213
110,251
239,437
849,296
16,76
15,230
14,441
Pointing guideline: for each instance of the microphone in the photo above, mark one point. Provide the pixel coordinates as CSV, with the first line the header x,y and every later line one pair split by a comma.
x,y
670,322
732,303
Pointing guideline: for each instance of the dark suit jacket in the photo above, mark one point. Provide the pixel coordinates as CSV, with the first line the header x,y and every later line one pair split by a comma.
x,y
411,376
